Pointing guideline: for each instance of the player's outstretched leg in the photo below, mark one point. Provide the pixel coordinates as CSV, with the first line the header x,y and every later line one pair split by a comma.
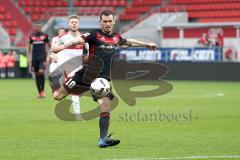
x,y
104,119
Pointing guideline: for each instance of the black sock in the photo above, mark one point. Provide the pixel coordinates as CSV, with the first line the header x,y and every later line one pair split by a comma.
x,y
38,83
104,124
42,82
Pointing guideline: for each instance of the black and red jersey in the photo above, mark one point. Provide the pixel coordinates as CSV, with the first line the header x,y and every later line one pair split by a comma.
x,y
102,46
38,41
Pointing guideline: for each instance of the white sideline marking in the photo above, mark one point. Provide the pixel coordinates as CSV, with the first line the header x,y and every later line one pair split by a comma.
x,y
191,157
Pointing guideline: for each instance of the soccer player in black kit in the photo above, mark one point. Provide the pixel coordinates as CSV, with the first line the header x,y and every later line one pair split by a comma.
x,y
102,47
37,48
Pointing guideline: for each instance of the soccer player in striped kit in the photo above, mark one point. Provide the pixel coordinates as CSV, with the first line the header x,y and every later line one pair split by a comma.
x,y
68,53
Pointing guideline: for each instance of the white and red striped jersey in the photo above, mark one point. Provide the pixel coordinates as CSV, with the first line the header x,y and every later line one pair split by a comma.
x,y
68,53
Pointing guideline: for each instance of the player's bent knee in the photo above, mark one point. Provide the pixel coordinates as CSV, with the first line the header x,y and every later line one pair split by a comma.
x,y
105,104
41,71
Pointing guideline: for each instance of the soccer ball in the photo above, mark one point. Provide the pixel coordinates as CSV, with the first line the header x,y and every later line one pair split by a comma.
x,y
100,87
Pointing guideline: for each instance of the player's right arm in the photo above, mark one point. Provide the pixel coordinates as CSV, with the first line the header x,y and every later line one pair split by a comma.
x,y
78,40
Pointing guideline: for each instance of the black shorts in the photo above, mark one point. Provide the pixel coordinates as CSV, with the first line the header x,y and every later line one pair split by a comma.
x,y
38,64
81,82
78,84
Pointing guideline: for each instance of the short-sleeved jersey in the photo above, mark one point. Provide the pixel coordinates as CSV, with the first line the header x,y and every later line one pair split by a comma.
x,y
38,41
73,50
102,46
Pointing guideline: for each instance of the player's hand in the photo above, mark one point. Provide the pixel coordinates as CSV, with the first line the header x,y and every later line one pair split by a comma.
x,y
152,46
53,58
57,48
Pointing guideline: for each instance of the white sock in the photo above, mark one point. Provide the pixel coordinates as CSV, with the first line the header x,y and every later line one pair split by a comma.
x,y
76,104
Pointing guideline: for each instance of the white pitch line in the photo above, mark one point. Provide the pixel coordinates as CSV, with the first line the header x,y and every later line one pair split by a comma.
x,y
176,158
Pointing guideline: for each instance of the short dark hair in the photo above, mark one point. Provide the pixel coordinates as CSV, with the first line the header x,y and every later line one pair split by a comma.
x,y
106,13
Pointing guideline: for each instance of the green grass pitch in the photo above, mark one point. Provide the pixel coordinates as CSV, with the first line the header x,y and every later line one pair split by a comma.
x,y
207,117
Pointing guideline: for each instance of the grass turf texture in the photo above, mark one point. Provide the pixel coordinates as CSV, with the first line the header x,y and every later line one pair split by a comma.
x,y
29,128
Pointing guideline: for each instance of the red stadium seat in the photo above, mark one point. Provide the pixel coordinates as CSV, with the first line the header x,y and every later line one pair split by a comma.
x,y
42,10
1,17
22,3
6,24
62,3
129,17
7,16
2,9
29,3
43,3
51,3
137,9
27,10
106,3
12,31
121,2
14,23
35,10
36,3
82,3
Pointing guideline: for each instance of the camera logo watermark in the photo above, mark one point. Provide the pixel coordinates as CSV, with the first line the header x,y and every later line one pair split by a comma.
x,y
136,71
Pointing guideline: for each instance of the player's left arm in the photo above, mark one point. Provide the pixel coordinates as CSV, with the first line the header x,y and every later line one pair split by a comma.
x,y
137,43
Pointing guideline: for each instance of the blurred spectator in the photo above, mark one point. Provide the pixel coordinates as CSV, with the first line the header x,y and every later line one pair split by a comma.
x,y
231,54
10,63
205,41
23,66
2,65
228,54
219,42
